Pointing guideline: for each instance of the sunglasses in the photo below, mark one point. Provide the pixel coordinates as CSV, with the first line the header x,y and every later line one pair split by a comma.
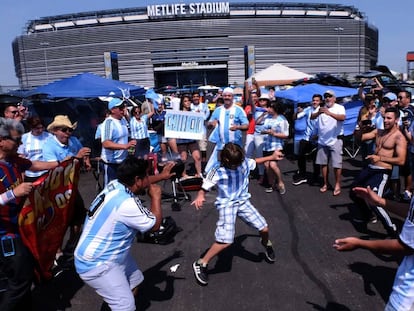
x,y
66,130
17,140
327,96
14,111
400,97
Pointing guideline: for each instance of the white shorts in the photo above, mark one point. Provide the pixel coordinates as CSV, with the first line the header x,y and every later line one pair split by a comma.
x,y
114,283
227,219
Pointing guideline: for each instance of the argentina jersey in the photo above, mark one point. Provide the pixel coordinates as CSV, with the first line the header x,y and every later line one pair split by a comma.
x,y
139,129
278,125
235,115
117,132
402,296
113,220
259,112
232,185
31,148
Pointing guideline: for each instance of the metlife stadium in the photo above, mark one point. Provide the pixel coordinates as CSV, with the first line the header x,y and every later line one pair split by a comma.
x,y
196,43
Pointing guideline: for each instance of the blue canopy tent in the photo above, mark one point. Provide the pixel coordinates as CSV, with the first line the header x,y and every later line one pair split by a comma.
x,y
78,98
304,94
87,85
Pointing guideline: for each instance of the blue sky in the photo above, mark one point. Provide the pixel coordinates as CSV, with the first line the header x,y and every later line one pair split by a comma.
x,y
392,18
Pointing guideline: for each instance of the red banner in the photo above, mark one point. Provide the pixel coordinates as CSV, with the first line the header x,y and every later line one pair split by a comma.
x,y
44,218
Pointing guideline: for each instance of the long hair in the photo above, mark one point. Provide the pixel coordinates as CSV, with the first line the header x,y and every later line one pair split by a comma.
x,y
182,101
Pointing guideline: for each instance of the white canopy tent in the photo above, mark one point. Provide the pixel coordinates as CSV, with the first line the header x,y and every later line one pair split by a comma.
x,y
277,74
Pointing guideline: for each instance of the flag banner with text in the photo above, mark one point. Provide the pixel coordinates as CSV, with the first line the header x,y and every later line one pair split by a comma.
x,y
184,125
46,213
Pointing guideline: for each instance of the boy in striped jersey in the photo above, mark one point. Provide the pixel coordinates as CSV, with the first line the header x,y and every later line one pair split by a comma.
x,y
231,177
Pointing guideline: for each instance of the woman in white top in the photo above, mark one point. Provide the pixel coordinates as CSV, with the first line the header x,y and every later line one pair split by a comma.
x,y
32,143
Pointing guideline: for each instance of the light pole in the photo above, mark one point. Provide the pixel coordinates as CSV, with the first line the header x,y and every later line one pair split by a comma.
x,y
338,30
45,45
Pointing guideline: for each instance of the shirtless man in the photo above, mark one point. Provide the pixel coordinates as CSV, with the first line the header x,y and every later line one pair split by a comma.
x,y
390,149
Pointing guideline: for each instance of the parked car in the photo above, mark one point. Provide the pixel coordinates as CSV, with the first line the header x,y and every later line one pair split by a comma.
x,y
384,76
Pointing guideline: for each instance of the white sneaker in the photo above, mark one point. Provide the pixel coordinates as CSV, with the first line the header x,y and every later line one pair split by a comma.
x,y
407,195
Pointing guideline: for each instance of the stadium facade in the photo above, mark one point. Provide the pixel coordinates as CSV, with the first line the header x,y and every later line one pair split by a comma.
x,y
197,43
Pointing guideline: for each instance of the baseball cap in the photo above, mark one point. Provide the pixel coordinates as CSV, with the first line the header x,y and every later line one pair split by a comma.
x,y
114,102
264,96
391,96
330,92
228,90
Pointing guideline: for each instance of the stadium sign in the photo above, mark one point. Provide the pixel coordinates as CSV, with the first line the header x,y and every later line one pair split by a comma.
x,y
182,9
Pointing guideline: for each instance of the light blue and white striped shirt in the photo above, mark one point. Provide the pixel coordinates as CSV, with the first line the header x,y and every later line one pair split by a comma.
x,y
235,115
114,218
139,128
278,125
232,185
31,148
116,131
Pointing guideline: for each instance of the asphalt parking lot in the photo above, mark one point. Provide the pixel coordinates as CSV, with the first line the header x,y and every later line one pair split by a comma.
x,y
308,273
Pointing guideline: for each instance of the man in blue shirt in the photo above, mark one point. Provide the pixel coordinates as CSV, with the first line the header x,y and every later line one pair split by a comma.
x,y
306,143
114,138
58,147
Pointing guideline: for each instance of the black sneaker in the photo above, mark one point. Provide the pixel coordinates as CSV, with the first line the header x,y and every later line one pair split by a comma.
x,y
56,269
200,272
299,180
269,252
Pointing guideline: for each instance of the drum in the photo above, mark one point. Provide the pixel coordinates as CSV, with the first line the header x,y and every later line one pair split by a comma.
x,y
190,184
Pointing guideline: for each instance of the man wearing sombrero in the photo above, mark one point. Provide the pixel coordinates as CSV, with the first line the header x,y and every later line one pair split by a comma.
x,y
62,145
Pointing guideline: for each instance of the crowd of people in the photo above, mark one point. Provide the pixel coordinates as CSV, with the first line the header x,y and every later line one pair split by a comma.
x,y
249,142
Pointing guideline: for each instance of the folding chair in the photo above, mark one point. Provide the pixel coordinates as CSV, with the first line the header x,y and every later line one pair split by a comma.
x,y
351,146
175,196
97,172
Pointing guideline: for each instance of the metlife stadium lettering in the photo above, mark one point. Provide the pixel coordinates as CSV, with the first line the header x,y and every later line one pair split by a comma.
x,y
182,9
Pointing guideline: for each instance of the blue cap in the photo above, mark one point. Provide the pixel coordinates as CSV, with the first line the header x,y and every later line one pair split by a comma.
x,y
114,102
391,96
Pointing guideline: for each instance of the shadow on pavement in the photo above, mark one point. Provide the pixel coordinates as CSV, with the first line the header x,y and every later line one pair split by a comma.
x,y
57,293
155,279
378,277
225,258
330,306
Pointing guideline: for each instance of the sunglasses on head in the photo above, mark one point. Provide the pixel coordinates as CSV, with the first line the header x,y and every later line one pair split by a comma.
x,y
17,140
66,129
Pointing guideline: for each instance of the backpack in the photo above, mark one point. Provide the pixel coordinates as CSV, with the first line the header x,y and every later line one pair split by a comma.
x,y
165,235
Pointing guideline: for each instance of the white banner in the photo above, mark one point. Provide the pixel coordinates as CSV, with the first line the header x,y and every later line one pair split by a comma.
x,y
184,125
